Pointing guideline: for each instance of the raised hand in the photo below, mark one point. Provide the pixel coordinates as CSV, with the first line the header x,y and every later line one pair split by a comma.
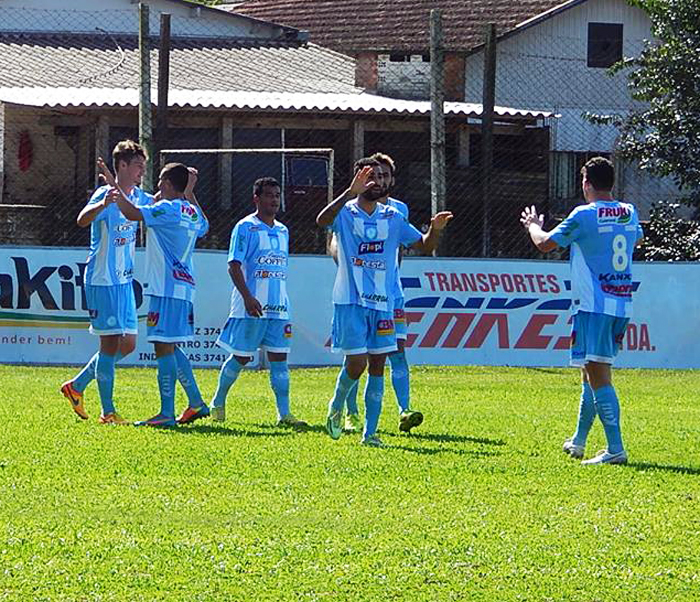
x,y
106,173
529,216
362,181
191,178
111,197
439,220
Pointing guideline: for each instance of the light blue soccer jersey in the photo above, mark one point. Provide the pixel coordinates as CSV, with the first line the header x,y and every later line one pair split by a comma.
x,y
402,208
602,236
173,229
367,255
112,241
263,253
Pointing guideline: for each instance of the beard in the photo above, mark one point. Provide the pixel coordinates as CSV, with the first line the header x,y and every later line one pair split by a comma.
x,y
375,193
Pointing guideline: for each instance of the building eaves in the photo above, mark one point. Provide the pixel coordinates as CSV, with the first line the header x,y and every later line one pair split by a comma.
x,y
356,104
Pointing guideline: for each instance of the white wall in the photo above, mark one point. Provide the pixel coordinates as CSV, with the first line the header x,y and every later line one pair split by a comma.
x,y
121,16
545,67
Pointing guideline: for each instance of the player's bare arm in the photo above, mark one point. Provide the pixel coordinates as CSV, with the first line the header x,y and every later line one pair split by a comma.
x,y
252,305
90,212
192,177
533,223
360,183
428,243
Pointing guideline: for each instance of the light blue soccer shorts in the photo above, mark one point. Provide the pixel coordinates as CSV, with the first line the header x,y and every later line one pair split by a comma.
x,y
112,309
357,329
169,320
400,323
596,338
244,336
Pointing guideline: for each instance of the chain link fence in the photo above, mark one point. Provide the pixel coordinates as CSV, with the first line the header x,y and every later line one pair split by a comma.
x,y
239,84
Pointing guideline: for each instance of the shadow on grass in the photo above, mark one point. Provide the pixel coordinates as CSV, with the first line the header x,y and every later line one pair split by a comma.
x,y
432,451
209,429
545,370
644,466
447,438
309,428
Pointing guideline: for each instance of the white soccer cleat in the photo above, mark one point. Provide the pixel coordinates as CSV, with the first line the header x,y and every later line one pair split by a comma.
x,y
573,450
218,413
605,457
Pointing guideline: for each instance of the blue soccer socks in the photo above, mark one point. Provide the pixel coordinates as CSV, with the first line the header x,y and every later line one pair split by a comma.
x,y
351,399
104,374
87,374
227,376
400,379
342,387
279,381
608,408
374,391
186,378
167,377
586,416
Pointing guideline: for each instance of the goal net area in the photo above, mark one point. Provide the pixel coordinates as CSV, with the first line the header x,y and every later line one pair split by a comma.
x,y
225,189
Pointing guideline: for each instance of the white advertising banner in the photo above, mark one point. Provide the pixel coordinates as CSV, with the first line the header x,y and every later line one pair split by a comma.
x,y
460,311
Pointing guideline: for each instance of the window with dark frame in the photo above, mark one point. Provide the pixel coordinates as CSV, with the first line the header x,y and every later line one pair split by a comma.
x,y
604,44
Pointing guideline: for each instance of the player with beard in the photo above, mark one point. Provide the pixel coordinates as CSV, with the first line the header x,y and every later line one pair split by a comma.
x,y
400,372
368,234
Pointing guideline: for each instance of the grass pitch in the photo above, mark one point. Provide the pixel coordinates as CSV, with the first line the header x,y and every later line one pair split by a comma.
x,y
479,504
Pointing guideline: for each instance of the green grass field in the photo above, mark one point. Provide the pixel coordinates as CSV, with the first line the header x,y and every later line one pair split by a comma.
x,y
479,504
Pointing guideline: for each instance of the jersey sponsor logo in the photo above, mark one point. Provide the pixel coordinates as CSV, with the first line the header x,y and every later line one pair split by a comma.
x,y
385,327
122,241
614,215
129,273
272,260
399,316
125,227
182,273
618,285
277,309
152,319
287,331
371,264
371,247
188,212
375,298
158,212
274,274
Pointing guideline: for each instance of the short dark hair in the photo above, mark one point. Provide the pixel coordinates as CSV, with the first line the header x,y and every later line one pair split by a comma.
x,y
384,159
126,151
260,184
600,172
177,174
364,162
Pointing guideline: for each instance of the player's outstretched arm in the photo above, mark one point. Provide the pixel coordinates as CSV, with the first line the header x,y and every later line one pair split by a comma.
x,y
533,224
128,210
360,183
428,243
252,305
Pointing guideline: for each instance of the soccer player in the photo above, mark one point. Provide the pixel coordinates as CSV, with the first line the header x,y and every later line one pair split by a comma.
x,y
602,235
369,235
108,280
174,225
400,374
259,317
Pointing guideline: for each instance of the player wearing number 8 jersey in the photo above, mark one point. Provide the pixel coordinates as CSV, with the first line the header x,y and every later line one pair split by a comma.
x,y
602,235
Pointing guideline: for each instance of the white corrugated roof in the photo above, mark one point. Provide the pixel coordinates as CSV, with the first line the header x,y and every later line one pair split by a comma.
x,y
219,99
